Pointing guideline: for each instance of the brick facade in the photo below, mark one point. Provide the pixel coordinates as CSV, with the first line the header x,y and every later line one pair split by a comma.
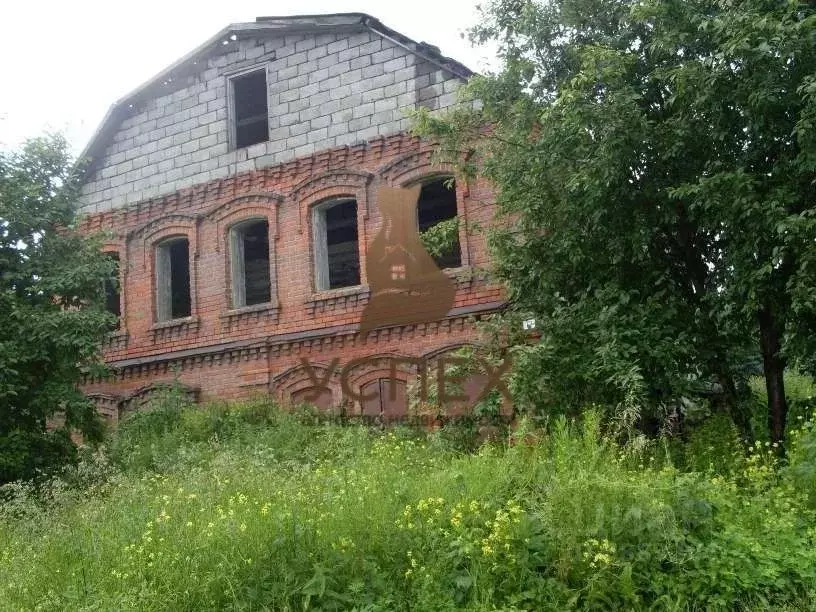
x,y
223,352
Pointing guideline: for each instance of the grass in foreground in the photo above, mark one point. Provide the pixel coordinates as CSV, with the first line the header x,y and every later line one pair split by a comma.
x,y
245,508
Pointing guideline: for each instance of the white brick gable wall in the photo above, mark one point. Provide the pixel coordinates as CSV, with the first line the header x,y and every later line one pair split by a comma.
x,y
325,90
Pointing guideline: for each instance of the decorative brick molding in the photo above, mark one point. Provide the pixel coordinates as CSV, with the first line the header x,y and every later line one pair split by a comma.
x,y
327,185
298,378
305,189
355,407
298,171
174,362
116,341
378,365
145,239
450,348
464,277
405,168
249,317
418,166
252,206
338,300
309,343
177,329
181,222
107,405
245,206
144,394
340,338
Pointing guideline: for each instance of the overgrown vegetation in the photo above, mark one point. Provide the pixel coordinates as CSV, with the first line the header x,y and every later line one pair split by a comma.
x,y
241,506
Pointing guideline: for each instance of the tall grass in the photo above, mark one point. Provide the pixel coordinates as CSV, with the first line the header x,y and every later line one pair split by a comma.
x,y
244,507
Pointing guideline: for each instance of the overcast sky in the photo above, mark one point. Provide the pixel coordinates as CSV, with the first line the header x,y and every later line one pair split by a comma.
x,y
64,62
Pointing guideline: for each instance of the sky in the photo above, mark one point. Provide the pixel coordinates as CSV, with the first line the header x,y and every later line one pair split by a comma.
x,y
63,63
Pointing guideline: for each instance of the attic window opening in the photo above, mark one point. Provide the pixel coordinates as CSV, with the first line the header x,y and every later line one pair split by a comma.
x,y
249,246
437,203
250,109
337,255
173,279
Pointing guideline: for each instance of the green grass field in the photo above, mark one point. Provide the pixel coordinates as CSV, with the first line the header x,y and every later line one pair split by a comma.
x,y
242,507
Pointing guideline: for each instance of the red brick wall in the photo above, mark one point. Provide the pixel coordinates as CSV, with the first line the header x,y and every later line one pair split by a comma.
x,y
224,353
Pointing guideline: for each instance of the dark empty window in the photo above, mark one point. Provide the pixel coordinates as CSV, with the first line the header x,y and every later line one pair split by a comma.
x,y
173,279
437,203
250,264
112,291
251,114
337,257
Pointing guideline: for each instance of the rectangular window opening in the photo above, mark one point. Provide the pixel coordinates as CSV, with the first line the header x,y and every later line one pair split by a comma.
x,y
173,280
337,257
437,203
250,109
113,302
251,282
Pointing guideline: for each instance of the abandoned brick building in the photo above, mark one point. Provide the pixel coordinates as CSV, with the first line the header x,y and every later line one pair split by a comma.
x,y
238,191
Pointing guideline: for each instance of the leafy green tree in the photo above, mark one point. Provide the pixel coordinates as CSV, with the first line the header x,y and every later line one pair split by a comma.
x,y
51,316
655,163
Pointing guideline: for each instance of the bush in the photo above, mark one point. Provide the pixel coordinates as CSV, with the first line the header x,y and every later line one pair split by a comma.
x,y
25,455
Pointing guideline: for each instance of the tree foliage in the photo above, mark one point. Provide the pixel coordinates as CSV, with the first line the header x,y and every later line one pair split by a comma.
x,y
51,316
441,237
655,166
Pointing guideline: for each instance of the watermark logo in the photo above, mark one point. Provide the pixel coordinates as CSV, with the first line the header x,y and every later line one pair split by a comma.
x,y
406,284
493,379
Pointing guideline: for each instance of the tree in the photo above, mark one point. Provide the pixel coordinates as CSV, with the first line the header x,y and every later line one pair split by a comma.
x,y
655,164
52,320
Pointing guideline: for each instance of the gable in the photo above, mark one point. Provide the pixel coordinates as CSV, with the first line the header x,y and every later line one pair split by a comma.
x,y
331,81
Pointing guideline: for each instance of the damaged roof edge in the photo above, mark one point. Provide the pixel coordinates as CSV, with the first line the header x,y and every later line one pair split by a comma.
x,y
286,24
426,51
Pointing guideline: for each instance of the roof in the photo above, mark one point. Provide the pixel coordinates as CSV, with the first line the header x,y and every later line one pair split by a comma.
x,y
164,81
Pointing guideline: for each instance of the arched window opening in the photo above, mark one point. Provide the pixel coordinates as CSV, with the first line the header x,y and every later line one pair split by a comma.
x,y
336,249
173,279
249,256
437,204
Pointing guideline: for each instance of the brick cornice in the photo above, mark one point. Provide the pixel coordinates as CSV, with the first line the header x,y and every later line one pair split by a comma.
x,y
289,342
